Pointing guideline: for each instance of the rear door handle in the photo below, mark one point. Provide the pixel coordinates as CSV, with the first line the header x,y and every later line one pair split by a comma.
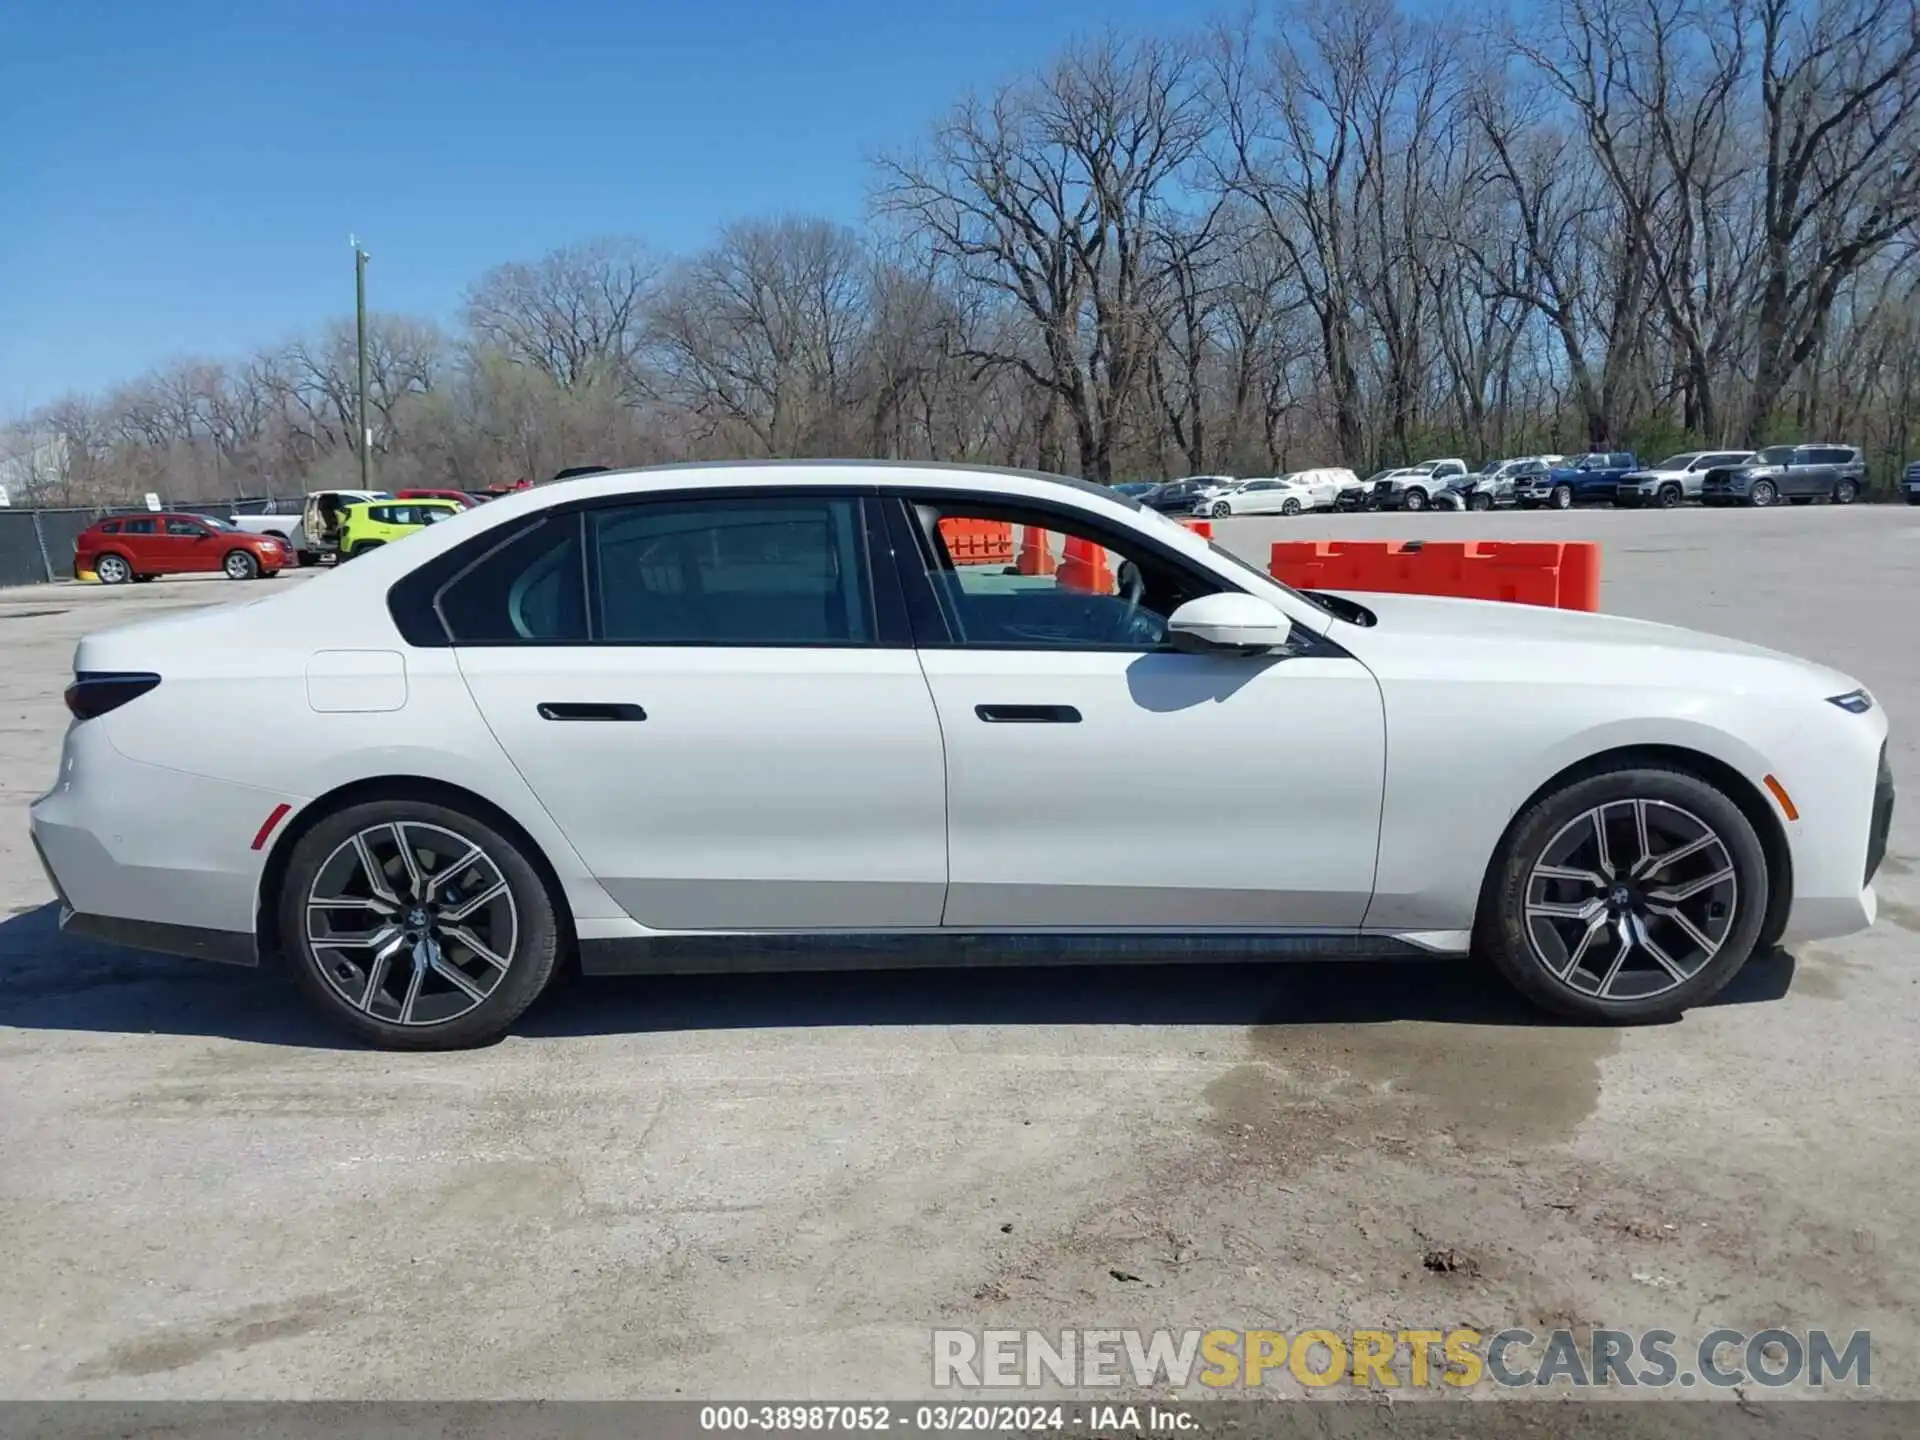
x,y
551,710
1028,714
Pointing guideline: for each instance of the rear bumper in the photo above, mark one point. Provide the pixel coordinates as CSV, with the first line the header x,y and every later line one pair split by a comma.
x,y
151,857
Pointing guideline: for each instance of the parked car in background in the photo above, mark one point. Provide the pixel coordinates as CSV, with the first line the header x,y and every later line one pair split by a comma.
x,y
311,534
381,522
1134,489
1324,483
459,497
1413,487
1185,495
1799,473
1591,479
1268,495
1675,479
1491,487
139,547
1910,483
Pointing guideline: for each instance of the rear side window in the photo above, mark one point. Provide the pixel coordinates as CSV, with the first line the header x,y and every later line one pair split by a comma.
x,y
787,570
530,590
109,527
137,527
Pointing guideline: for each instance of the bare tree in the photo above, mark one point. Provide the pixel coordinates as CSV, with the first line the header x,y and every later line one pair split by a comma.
x,y
577,314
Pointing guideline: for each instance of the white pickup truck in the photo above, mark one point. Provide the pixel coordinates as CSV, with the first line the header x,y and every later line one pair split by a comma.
x,y
315,532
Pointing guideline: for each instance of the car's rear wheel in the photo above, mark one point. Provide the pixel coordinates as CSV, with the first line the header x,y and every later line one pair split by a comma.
x,y
112,570
416,926
1289,507
1562,497
1845,492
1763,493
240,565
1626,896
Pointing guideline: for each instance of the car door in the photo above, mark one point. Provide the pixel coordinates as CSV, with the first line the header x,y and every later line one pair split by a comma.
x,y
703,692
1805,475
188,546
1258,497
1096,777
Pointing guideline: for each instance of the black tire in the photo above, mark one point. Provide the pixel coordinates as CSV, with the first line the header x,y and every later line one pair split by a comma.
x,y
142,579
534,949
1502,932
1669,497
1414,500
240,565
113,569
1562,498
1220,510
363,548
1763,493
1480,502
304,558
1845,493
1289,507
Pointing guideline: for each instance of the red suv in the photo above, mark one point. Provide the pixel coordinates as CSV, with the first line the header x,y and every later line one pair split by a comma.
x,y
139,547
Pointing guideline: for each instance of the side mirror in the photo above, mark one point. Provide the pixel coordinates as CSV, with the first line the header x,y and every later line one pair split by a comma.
x,y
1230,621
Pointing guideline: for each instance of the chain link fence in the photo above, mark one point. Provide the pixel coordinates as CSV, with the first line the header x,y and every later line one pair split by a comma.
x,y
36,543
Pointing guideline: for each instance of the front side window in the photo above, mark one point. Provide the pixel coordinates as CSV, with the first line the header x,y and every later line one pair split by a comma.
x,y
185,528
1777,455
1053,587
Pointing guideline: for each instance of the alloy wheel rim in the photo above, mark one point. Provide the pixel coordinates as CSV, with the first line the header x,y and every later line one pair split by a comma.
x,y
1763,494
411,924
112,569
1630,900
236,565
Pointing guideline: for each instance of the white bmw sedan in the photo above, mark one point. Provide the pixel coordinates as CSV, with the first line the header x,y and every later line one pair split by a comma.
x,y
798,715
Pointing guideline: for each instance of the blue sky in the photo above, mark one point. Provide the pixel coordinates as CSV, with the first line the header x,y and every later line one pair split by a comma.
x,y
180,176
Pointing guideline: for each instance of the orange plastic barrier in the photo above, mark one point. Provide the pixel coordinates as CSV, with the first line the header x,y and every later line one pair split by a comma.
x,y
978,542
1036,552
1084,567
1202,528
1563,576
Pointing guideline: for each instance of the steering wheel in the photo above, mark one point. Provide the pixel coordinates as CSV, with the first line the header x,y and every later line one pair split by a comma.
x,y
1138,626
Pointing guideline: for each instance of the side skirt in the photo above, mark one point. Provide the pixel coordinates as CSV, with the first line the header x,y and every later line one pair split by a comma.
x,y
932,949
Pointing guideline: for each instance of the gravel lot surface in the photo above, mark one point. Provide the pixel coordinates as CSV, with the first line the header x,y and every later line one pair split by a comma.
x,y
776,1186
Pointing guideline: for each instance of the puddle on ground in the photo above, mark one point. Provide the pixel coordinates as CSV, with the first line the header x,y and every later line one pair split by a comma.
x,y
1907,917
1319,1086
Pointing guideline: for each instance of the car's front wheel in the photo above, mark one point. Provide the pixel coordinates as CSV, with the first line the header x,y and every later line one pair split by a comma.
x,y
1562,497
1480,502
1763,493
1669,497
240,565
416,926
1220,510
1626,896
1414,500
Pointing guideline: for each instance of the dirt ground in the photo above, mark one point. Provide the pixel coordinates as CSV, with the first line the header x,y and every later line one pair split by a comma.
x,y
778,1186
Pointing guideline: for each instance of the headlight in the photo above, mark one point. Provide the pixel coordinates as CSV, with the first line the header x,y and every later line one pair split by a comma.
x,y
1854,702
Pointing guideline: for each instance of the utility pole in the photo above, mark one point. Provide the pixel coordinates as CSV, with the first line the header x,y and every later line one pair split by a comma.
x,y
360,258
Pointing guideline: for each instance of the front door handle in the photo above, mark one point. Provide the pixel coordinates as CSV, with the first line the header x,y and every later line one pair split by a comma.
x,y
551,710
1028,714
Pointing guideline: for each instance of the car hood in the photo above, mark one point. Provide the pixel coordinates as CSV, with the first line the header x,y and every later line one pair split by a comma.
x,y
1512,626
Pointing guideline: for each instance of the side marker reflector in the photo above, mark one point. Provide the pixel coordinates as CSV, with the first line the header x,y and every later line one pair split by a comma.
x,y
1779,792
279,814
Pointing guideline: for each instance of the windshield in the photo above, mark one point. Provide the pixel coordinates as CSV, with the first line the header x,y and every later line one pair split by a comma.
x,y
1677,462
1777,455
215,522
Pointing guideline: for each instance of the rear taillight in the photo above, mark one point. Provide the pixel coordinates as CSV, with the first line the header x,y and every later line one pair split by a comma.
x,y
95,692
